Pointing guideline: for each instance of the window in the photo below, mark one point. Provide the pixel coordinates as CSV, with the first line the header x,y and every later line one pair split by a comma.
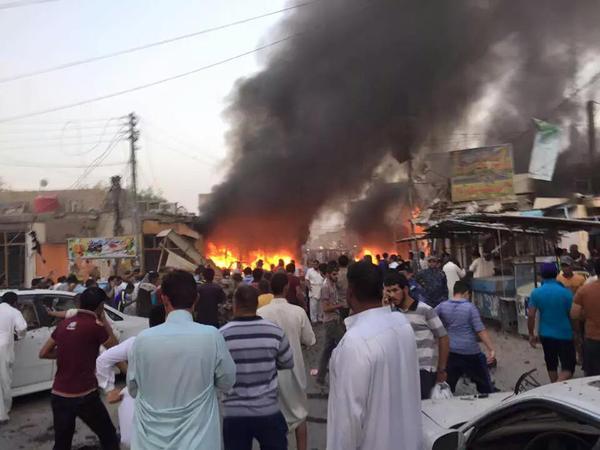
x,y
151,251
64,303
29,314
12,259
75,206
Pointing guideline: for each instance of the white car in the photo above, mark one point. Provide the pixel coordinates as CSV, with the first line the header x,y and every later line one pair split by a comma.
x,y
32,374
556,416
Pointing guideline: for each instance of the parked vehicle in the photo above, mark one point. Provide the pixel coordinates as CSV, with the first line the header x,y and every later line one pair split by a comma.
x,y
32,374
555,416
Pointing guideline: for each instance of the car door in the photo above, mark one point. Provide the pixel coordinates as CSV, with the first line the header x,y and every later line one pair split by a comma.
x,y
534,424
29,369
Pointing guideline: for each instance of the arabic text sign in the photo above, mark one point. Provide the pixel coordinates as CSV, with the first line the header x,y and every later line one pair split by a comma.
x,y
482,173
102,247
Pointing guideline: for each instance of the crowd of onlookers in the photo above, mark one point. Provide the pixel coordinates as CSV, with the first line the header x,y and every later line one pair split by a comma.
x,y
383,318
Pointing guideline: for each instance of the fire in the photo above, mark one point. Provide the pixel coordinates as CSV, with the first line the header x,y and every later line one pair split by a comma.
x,y
227,258
422,245
371,251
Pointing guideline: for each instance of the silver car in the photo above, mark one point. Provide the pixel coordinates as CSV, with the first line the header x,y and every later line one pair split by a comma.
x,y
32,374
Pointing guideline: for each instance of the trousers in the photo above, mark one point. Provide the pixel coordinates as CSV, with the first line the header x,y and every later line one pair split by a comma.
x,y
474,367
316,315
91,411
269,431
333,335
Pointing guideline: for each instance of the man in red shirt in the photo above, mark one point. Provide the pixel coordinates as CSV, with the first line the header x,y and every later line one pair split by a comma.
x,y
75,344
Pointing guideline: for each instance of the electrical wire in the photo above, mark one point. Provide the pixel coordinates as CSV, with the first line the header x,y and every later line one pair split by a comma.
x,y
25,164
153,44
167,79
183,143
121,131
97,161
53,146
62,122
211,162
17,130
146,85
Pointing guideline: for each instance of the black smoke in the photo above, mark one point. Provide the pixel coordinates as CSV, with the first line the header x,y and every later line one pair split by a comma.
x,y
366,77
369,218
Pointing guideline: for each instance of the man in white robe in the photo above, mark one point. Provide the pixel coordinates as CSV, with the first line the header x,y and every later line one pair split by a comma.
x,y
11,322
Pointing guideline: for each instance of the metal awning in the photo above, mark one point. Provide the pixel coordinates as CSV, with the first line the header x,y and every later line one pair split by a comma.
x,y
457,226
544,224
417,237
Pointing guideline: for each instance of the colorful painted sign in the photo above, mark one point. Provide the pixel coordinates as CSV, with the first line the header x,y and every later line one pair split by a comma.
x,y
482,173
102,247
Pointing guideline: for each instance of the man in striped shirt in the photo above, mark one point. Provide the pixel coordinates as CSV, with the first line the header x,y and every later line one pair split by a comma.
x,y
432,339
259,348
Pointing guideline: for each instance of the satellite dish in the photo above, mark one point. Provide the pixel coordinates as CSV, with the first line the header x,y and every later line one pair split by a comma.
x,y
43,183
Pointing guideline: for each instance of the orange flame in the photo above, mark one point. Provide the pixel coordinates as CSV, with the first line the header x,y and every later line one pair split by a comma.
x,y
371,251
422,245
227,258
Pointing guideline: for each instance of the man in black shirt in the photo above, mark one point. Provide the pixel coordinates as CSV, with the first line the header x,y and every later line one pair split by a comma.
x,y
210,295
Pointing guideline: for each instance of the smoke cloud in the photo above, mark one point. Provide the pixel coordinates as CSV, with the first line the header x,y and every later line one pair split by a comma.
x,y
367,77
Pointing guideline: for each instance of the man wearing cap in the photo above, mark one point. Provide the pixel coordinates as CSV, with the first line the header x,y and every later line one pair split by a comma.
x,y
554,302
434,282
567,277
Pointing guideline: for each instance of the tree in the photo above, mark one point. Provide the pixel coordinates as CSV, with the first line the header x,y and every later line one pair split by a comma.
x,y
149,195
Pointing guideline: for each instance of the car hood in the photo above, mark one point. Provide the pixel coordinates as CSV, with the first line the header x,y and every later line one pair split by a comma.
x,y
453,412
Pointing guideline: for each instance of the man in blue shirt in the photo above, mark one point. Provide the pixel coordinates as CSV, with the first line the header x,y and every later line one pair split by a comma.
x,y
175,370
463,323
553,301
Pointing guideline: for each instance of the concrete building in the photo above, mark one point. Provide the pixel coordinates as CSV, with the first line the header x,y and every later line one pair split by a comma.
x,y
50,218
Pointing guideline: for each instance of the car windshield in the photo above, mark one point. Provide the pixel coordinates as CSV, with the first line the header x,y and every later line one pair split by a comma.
x,y
112,315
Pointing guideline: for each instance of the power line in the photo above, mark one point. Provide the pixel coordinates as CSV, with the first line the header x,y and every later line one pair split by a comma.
x,y
146,46
182,143
51,132
96,162
53,146
23,3
207,160
67,122
145,86
54,166
50,139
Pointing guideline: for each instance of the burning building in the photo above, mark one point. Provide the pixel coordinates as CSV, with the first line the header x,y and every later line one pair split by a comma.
x,y
358,80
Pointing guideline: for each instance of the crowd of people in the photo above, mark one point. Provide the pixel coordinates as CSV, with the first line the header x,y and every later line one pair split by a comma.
x,y
235,339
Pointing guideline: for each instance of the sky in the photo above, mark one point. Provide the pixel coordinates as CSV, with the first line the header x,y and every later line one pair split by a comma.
x,y
182,145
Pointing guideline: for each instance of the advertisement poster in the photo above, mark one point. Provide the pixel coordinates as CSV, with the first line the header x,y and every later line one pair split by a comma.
x,y
482,173
102,248
549,142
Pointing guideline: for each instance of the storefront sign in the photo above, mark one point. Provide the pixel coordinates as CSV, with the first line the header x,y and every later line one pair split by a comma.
x,y
482,173
102,247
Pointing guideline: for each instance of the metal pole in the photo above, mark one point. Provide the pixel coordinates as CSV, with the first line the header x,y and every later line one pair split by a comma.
x,y
133,137
591,143
413,243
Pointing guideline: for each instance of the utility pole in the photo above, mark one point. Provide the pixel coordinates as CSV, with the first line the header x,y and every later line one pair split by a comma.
x,y
411,205
115,198
133,138
592,143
